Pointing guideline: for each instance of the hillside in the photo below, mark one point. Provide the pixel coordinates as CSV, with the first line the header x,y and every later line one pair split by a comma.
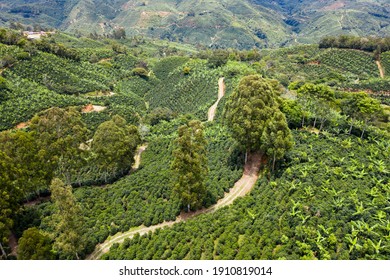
x,y
76,111
216,23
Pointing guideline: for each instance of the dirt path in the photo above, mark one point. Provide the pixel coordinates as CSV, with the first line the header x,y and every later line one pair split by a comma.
x,y
137,157
13,242
241,188
381,72
221,93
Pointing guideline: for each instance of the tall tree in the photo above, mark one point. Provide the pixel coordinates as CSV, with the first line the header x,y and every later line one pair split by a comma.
x,y
369,110
114,145
277,137
190,165
350,108
35,245
248,110
360,107
67,221
319,100
255,120
60,133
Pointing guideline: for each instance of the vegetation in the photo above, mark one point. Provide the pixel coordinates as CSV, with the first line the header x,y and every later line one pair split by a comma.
x,y
369,44
314,207
256,122
70,127
190,165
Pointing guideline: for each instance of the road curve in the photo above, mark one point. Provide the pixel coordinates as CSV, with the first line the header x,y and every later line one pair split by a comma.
x,y
243,186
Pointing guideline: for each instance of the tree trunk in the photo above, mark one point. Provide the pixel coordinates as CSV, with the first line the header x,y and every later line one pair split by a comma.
x,y
364,129
315,120
2,251
246,156
350,128
322,124
303,121
273,163
188,208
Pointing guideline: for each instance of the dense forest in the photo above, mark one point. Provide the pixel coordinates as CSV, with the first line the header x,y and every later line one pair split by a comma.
x,y
100,136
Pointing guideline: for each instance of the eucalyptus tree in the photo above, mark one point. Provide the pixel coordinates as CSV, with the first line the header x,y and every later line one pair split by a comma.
x,y
319,100
113,146
59,133
67,221
189,165
253,115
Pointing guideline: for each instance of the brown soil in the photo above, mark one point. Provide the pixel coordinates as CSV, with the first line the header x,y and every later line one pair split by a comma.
x,y
221,93
335,6
314,62
22,125
381,71
92,108
137,157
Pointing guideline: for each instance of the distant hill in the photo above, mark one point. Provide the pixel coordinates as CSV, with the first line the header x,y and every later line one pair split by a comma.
x,y
213,23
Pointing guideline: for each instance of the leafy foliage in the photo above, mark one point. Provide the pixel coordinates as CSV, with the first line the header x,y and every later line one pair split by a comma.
x,y
336,212
189,165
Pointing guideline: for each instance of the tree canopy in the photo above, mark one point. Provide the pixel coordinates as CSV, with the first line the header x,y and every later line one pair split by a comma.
x,y
253,115
67,220
190,165
114,145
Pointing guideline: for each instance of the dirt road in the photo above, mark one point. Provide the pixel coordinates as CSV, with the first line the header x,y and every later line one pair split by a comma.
x,y
381,72
241,188
221,93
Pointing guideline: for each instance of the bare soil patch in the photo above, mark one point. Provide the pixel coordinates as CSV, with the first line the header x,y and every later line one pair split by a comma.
x,y
93,108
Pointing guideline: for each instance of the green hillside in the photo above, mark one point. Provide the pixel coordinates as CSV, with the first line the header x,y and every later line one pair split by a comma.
x,y
216,23
75,111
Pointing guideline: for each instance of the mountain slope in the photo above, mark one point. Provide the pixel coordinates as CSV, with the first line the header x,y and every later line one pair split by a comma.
x,y
213,23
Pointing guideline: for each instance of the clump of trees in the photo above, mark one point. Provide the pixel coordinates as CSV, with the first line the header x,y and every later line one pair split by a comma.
x,y
53,147
253,115
370,44
68,239
189,165
113,146
318,104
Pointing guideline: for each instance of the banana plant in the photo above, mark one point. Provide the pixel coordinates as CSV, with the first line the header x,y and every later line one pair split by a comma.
x,y
308,192
359,174
374,192
380,216
327,231
303,218
353,241
360,209
376,246
338,202
294,211
335,193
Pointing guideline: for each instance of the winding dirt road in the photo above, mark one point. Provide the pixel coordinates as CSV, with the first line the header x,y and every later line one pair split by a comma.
x,y
243,186
381,72
221,93
137,157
